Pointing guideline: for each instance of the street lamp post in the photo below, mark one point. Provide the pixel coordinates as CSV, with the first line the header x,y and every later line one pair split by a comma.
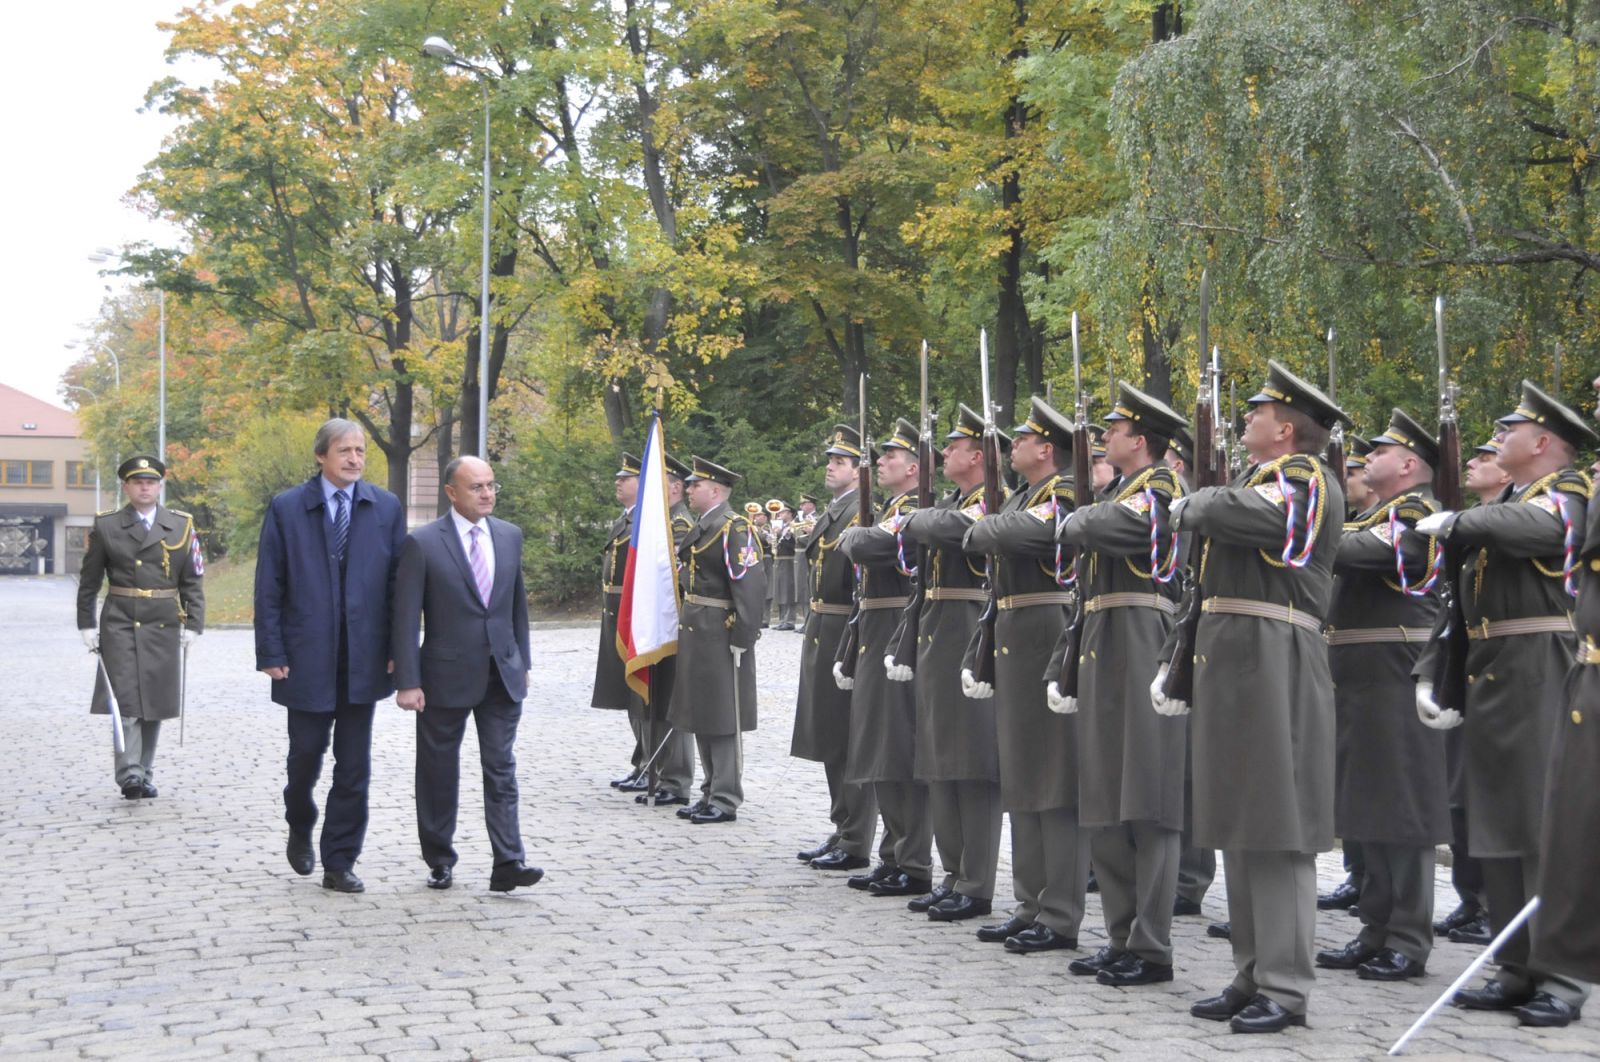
x,y
439,48
91,394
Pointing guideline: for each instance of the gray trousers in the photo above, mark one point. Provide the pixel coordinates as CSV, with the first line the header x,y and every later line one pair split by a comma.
x,y
722,760
676,762
136,762
802,590
438,778
965,817
1197,868
1049,868
1509,883
1397,898
1136,865
907,830
1272,903
854,811
783,588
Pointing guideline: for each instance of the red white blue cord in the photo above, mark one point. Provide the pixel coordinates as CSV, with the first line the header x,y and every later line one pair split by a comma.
x,y
1290,557
1161,573
1395,533
1569,558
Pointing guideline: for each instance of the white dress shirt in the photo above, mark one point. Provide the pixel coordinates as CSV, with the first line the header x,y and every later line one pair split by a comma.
x,y
485,541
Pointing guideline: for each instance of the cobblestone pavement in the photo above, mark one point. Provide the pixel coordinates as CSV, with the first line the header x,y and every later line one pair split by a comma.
x,y
173,928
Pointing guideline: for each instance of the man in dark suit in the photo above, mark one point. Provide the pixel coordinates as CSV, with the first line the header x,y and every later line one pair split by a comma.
x,y
324,578
464,573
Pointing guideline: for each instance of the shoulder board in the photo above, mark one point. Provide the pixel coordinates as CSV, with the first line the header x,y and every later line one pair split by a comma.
x,y
180,512
107,512
1303,467
1413,507
1574,481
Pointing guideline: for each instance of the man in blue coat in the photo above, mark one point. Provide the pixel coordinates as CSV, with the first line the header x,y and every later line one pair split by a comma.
x,y
324,581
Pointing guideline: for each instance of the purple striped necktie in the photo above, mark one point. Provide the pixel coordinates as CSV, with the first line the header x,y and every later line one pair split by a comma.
x,y
480,568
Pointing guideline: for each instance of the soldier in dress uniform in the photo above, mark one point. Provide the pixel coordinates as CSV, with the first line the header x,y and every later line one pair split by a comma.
x,y
1566,934
883,714
1515,595
1263,728
804,522
1130,769
154,609
1038,748
1469,922
762,525
822,711
1392,796
783,562
956,753
724,592
611,688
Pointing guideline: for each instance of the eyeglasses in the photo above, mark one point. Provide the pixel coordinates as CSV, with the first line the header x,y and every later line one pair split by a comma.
x,y
484,488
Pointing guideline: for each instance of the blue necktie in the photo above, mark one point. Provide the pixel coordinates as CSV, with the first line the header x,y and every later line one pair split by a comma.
x,y
341,525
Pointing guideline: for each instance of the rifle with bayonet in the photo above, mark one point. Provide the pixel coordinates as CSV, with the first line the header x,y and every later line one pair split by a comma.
x,y
983,662
1211,466
1082,494
850,644
1450,665
904,650
1336,439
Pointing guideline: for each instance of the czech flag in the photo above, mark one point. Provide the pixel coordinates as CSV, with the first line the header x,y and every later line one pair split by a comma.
x,y
647,619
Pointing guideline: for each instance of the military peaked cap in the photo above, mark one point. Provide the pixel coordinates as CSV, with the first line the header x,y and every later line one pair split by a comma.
x,y
704,471
1404,431
1541,409
141,466
1045,422
1285,387
630,466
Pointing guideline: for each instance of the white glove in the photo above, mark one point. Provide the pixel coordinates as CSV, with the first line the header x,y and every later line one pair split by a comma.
x,y
738,656
1432,525
840,679
896,672
91,639
978,691
186,637
1163,704
1428,709
1059,704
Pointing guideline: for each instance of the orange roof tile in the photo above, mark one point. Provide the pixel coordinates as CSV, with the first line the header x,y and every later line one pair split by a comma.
x,y
22,414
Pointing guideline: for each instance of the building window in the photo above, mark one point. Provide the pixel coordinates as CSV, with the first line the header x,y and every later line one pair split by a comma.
x,y
80,474
24,473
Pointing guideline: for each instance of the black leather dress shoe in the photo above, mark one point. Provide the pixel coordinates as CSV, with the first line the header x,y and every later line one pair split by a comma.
x,y
147,790
1264,1016
132,790
712,814
899,884
508,876
878,873
440,877
784,627
342,881
839,859
1094,883
693,809
1547,1012
1494,995
618,783
1131,970
1004,931
1390,965
1093,964
663,800
1348,957
301,858
958,908
1220,1007
1466,912
818,852
638,784
1476,931
1345,895
1039,938
922,903
1220,930
1182,908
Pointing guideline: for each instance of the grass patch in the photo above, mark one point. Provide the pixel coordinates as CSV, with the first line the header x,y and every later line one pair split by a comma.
x,y
230,592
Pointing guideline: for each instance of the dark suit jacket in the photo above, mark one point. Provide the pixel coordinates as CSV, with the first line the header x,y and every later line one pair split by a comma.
x,y
464,638
298,607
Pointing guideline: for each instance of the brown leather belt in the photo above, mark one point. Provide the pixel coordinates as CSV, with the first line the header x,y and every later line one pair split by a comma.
x,y
1378,635
873,604
1244,606
709,602
1485,629
1131,600
1047,597
957,593
823,608
133,591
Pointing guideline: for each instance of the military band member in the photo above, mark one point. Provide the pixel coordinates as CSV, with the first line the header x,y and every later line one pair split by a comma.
x,y
805,522
956,753
1566,934
762,525
1391,790
783,590
1514,593
1131,760
724,592
1264,718
822,711
883,714
1038,748
611,688
154,609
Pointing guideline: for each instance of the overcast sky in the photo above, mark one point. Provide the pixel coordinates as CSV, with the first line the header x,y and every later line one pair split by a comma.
x,y
73,83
